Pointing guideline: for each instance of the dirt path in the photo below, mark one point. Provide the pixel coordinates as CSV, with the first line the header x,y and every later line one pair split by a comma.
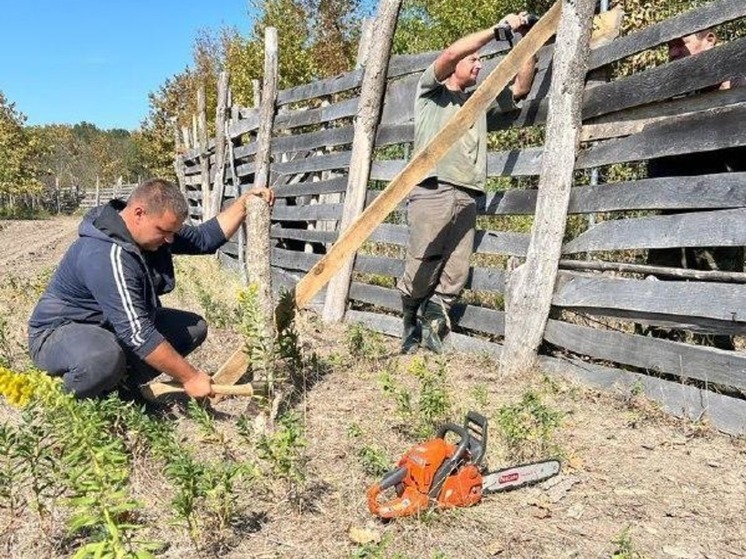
x,y
27,247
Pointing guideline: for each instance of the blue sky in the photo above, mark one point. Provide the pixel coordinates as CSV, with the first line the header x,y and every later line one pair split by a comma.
x,y
68,61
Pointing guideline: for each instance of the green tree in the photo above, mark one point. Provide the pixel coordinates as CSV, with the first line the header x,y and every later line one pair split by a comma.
x,y
19,154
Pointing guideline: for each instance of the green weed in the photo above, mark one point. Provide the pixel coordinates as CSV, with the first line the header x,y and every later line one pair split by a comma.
x,y
424,408
283,449
527,427
373,460
364,343
624,547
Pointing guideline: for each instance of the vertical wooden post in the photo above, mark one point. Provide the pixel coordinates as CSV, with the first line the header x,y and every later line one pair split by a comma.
x,y
530,286
204,155
366,126
57,192
221,115
257,211
98,190
179,150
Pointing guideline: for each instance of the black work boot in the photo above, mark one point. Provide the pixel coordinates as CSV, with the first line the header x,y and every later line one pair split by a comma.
x,y
411,333
434,325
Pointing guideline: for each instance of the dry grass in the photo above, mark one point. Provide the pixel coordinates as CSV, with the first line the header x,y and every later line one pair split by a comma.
x,y
635,482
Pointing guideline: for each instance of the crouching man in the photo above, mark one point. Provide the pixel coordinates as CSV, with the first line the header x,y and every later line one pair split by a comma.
x,y
100,321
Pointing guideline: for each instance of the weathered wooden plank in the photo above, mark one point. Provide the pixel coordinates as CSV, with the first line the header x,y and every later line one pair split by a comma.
x,y
293,259
685,361
309,235
381,265
722,190
330,137
307,212
394,134
710,15
723,302
322,88
657,271
694,229
248,123
692,73
703,131
501,242
320,115
311,188
313,164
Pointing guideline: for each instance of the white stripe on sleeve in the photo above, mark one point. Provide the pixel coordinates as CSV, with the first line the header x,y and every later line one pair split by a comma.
x,y
129,309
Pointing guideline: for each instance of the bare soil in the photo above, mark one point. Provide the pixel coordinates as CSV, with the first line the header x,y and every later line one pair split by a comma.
x,y
635,483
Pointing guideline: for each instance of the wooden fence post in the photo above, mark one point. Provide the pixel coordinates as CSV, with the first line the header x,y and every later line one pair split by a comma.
x,y
221,115
366,125
204,155
179,150
98,190
530,286
258,249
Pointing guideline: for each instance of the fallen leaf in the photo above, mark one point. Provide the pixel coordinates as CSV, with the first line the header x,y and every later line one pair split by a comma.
x,y
575,511
363,536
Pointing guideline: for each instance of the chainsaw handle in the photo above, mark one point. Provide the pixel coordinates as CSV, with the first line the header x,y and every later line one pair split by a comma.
x,y
453,462
394,477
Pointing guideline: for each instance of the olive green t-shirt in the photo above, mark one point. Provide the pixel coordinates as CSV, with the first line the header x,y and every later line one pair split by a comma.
x,y
465,164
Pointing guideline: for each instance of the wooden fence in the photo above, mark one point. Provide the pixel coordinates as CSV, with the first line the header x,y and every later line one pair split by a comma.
x,y
602,292
102,194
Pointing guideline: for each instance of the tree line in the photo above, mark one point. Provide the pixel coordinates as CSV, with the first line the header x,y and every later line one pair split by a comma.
x,y
317,39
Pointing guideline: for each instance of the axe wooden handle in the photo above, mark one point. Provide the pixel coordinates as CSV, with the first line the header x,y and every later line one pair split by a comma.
x,y
154,390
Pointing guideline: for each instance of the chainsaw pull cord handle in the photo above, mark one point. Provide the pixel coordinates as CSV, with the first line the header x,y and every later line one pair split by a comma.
x,y
453,462
390,479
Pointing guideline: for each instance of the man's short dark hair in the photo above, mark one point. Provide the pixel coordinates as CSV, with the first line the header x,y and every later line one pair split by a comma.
x,y
160,195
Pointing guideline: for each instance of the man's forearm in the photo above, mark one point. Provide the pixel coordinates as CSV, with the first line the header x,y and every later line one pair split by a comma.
x,y
445,64
231,218
166,359
524,79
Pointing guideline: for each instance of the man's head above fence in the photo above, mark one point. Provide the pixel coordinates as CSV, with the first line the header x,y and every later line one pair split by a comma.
x,y
691,44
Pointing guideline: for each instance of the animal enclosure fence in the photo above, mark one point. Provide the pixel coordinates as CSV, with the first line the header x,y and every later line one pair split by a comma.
x,y
604,295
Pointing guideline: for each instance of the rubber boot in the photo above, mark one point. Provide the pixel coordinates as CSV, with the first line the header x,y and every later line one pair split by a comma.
x,y
434,326
411,333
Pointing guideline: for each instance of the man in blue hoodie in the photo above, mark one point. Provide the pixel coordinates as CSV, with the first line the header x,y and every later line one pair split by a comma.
x,y
100,320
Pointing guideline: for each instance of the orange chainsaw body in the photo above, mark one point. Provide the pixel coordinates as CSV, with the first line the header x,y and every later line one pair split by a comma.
x,y
418,469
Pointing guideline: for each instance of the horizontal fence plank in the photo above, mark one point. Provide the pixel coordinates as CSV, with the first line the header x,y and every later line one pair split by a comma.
x,y
320,115
315,164
311,188
721,190
707,364
724,412
724,302
694,229
698,132
307,212
307,235
321,88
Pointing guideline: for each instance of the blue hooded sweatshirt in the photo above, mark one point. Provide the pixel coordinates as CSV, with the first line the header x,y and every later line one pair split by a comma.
x,y
107,280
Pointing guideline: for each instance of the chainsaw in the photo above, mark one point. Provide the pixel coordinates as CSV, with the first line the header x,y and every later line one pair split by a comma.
x,y
450,474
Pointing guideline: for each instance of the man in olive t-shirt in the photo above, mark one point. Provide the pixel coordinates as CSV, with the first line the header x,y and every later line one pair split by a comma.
x,y
442,208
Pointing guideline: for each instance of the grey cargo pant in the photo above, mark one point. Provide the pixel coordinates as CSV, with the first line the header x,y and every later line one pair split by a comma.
x,y
92,361
441,219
